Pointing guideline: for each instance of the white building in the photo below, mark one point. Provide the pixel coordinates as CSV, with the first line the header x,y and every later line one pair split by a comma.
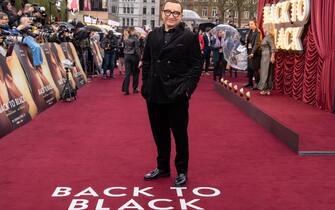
x,y
135,12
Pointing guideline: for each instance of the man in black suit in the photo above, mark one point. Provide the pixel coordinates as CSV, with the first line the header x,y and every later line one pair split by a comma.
x,y
207,49
253,43
171,71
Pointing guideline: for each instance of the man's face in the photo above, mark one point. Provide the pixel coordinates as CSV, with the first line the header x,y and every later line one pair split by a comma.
x,y
171,14
4,20
252,25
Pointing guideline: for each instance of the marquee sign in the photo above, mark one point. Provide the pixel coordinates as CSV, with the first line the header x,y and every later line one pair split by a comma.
x,y
289,18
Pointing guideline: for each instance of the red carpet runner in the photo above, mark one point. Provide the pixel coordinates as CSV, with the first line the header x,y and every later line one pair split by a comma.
x,y
103,140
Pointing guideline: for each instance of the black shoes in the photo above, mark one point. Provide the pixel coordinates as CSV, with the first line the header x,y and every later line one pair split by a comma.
x,y
126,93
135,91
155,174
181,180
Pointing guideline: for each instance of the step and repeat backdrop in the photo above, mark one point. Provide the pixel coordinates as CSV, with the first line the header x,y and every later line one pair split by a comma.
x,y
26,91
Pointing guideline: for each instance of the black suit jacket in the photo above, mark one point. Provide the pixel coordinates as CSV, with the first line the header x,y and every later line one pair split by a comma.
x,y
170,71
255,40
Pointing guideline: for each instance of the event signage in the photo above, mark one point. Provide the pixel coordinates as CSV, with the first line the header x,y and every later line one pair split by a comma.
x,y
139,198
289,18
26,90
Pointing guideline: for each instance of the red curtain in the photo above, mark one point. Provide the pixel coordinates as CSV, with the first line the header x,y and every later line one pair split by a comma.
x,y
309,75
323,24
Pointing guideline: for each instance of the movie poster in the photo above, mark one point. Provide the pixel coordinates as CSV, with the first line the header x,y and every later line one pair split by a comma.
x,y
97,57
17,106
77,71
41,84
54,56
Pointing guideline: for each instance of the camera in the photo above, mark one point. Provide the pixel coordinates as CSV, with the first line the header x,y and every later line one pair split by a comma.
x,y
68,64
8,39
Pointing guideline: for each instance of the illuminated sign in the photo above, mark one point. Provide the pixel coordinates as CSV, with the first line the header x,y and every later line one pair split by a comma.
x,y
289,18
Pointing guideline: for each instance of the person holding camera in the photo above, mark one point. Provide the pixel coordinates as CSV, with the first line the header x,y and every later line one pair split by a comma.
x,y
13,15
110,44
62,34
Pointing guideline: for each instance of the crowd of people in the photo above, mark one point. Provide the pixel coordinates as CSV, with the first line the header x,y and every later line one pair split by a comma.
x,y
125,52
260,54
29,26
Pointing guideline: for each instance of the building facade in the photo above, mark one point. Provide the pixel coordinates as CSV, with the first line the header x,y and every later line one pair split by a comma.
x,y
135,12
97,9
237,12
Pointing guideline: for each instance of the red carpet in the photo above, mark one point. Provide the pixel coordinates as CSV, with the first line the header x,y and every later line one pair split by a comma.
x,y
308,121
103,140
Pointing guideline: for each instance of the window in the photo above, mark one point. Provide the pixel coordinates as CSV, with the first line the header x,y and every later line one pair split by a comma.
x,y
144,22
205,12
246,14
131,21
152,23
114,9
214,11
144,10
153,10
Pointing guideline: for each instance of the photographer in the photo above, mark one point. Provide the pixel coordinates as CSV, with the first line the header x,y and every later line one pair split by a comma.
x,y
8,36
23,32
82,43
109,44
13,15
63,34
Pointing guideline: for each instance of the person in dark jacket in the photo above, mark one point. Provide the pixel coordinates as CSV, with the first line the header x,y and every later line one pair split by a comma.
x,y
13,15
132,55
253,44
207,49
171,72
110,45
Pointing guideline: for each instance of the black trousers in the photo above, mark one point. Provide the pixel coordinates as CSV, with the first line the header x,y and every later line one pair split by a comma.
x,y
165,118
109,62
207,57
220,67
131,65
253,73
253,68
